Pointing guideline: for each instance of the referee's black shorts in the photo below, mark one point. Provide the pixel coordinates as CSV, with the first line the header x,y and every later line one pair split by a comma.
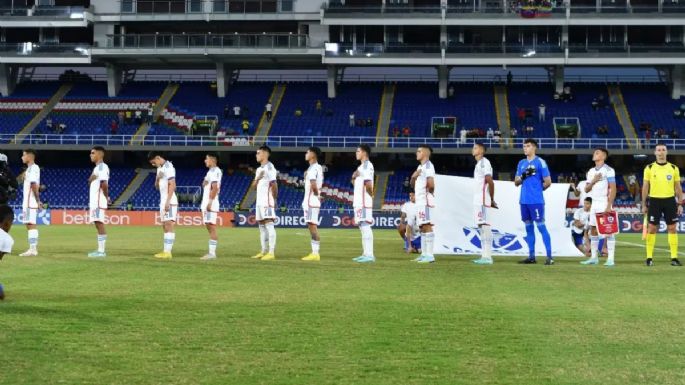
x,y
662,206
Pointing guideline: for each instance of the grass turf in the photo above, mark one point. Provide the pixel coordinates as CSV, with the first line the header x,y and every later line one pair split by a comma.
x,y
130,319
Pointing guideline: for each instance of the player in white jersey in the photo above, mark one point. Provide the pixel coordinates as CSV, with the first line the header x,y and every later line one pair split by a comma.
x,y
601,187
409,228
211,186
165,182
6,241
423,181
99,198
311,204
31,203
363,180
265,208
483,199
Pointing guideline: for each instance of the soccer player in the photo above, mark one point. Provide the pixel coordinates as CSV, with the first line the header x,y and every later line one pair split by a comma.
x,y
532,174
482,201
99,198
408,228
581,217
423,181
31,200
662,186
265,210
601,187
313,182
6,241
165,182
211,186
363,181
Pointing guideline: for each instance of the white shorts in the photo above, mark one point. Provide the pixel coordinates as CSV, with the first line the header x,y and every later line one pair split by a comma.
x,y
30,216
209,217
424,215
263,213
363,215
166,216
480,214
597,207
311,214
96,215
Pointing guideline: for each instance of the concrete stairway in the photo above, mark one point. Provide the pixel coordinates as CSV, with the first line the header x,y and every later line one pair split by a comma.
x,y
133,186
623,116
160,105
502,110
385,114
43,113
276,98
381,187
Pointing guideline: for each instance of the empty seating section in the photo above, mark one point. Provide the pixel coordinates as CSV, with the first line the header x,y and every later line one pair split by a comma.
x,y
198,98
18,109
68,187
13,122
531,95
363,100
142,91
189,182
417,103
34,90
652,104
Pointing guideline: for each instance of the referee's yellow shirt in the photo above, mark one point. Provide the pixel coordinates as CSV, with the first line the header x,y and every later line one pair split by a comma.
x,y
662,179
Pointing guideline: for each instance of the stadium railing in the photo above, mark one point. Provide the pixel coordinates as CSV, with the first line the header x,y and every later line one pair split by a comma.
x,y
333,141
233,40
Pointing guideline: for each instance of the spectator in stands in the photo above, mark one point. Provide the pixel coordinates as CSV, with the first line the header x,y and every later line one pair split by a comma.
x,y
675,134
529,130
246,126
268,109
595,104
661,133
489,133
114,127
648,137
120,117
236,112
369,122
227,111
462,135
514,133
61,127
139,117
450,91
510,79
497,135
561,178
48,124
150,112
603,130
541,112
129,115
396,132
318,106
352,120
521,114
633,187
406,132
298,112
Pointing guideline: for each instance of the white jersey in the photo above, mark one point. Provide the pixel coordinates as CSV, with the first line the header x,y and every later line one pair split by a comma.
x,y
166,173
97,198
481,196
214,175
583,194
6,242
265,176
582,216
31,177
422,196
409,209
362,199
600,190
313,173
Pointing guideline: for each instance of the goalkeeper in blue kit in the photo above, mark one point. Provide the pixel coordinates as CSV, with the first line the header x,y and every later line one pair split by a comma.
x,y
532,174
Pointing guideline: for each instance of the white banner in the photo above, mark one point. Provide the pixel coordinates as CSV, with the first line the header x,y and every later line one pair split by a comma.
x,y
455,224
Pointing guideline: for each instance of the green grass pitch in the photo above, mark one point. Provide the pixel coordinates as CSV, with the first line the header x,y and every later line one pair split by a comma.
x,y
130,319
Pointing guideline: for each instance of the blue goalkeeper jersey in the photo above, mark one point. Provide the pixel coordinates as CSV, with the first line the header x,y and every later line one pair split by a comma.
x,y
531,189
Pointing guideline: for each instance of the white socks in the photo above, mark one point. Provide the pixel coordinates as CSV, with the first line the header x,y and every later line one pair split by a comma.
x,y
33,239
367,239
594,244
169,242
102,239
271,230
263,238
486,242
212,247
315,247
427,240
611,247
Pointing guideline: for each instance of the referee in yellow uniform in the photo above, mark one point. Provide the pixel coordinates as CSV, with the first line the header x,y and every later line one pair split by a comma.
x,y
662,186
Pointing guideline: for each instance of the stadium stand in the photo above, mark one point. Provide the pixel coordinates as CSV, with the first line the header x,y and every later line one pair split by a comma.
x,y
651,104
